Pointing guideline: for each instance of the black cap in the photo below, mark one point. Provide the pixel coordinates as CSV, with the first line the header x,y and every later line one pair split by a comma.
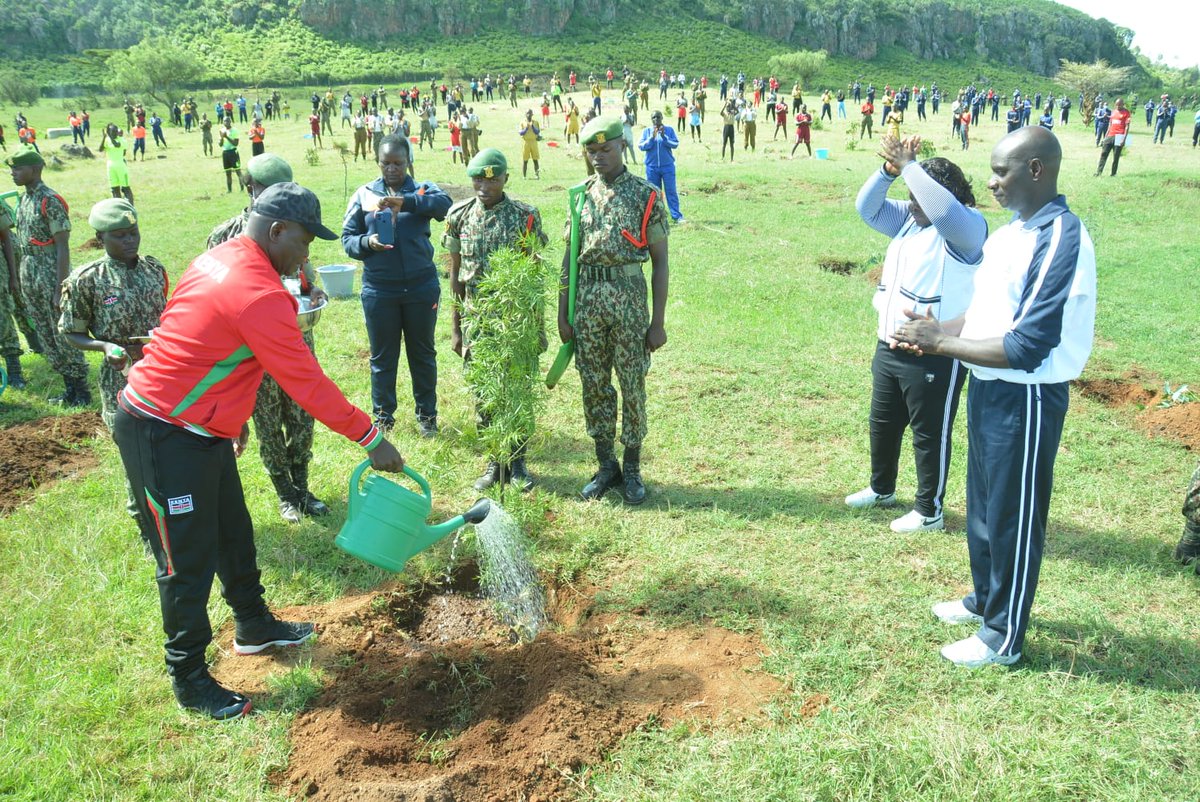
x,y
292,202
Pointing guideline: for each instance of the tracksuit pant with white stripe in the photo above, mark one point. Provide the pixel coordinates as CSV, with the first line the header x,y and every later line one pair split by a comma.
x,y
921,392
1012,439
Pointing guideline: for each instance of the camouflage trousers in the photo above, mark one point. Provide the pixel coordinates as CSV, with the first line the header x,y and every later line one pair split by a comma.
x,y
1191,509
283,428
38,276
611,319
12,310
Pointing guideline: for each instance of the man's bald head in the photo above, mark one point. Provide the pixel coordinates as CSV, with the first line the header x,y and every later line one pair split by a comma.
x,y
1025,167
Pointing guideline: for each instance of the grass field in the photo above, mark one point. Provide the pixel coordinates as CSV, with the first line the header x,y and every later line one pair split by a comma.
x,y
758,409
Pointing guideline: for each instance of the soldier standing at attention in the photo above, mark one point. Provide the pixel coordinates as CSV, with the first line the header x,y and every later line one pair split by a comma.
x,y
11,306
109,302
43,235
622,224
475,228
284,429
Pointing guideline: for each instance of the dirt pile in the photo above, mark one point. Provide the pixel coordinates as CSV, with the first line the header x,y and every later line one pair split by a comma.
x,y
429,700
43,450
1176,421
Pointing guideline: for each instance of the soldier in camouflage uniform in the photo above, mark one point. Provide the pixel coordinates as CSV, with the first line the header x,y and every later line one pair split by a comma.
x,y
109,302
43,236
1188,549
475,228
11,307
622,224
284,429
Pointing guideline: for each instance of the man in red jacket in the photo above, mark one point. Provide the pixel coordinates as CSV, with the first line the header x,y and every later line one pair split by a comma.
x,y
229,320
1114,140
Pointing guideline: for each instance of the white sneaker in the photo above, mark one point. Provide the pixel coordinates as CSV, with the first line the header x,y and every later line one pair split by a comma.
x,y
913,521
973,653
955,612
867,498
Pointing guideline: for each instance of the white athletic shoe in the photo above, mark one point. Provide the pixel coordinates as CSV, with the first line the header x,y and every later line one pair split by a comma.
x,y
973,653
913,521
867,498
955,612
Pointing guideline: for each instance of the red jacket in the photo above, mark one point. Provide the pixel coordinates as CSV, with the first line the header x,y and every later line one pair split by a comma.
x,y
229,320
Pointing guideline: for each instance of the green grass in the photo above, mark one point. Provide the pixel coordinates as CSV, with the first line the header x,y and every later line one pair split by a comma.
x,y
758,409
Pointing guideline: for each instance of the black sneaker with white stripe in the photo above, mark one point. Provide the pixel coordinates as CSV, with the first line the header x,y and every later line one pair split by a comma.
x,y
256,634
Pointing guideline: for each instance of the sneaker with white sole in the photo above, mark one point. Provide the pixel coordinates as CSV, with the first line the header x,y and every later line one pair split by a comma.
x,y
914,521
955,612
258,634
974,653
867,498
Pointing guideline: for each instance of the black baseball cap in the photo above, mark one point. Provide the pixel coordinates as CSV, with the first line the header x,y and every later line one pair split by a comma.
x,y
291,202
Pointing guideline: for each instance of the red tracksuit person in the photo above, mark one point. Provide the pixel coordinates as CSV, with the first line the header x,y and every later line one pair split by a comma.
x,y
189,397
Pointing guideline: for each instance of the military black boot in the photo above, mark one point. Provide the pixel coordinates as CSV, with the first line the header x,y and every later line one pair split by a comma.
x,y
635,491
609,475
1187,551
81,394
12,366
308,503
519,475
493,474
290,508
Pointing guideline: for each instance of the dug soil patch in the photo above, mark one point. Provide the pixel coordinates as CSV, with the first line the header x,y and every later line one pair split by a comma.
x,y
1179,422
43,450
1127,390
428,699
839,266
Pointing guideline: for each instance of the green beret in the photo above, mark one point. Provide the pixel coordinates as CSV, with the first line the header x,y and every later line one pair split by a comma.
x,y
269,169
24,156
487,163
112,214
602,129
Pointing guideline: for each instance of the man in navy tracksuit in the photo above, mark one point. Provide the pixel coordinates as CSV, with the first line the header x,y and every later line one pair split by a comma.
x,y
658,143
1026,334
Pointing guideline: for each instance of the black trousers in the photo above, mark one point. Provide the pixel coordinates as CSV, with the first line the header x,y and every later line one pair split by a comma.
x,y
1109,146
195,519
390,322
921,393
1012,438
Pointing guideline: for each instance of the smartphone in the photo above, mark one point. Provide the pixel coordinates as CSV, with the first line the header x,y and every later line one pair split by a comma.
x,y
385,227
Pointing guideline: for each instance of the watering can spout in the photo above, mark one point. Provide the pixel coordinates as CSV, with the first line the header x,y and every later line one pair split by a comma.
x,y
472,516
476,514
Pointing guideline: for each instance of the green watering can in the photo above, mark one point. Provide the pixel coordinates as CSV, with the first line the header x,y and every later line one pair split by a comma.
x,y
575,199
385,525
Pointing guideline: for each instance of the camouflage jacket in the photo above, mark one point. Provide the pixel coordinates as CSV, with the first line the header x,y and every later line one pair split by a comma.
x,y
618,223
475,233
41,214
112,301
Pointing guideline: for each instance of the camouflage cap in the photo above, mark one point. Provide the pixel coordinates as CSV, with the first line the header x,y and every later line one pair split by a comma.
x,y
488,163
24,156
112,214
602,129
269,169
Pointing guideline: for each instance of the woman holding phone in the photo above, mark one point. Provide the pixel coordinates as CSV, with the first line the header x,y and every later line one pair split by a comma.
x,y
387,228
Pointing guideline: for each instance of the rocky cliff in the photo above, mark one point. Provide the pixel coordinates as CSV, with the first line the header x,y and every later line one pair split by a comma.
x,y
1026,34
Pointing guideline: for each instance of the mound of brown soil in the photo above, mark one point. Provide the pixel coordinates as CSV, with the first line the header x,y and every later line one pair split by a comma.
x,y
429,699
1118,392
40,451
1180,422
